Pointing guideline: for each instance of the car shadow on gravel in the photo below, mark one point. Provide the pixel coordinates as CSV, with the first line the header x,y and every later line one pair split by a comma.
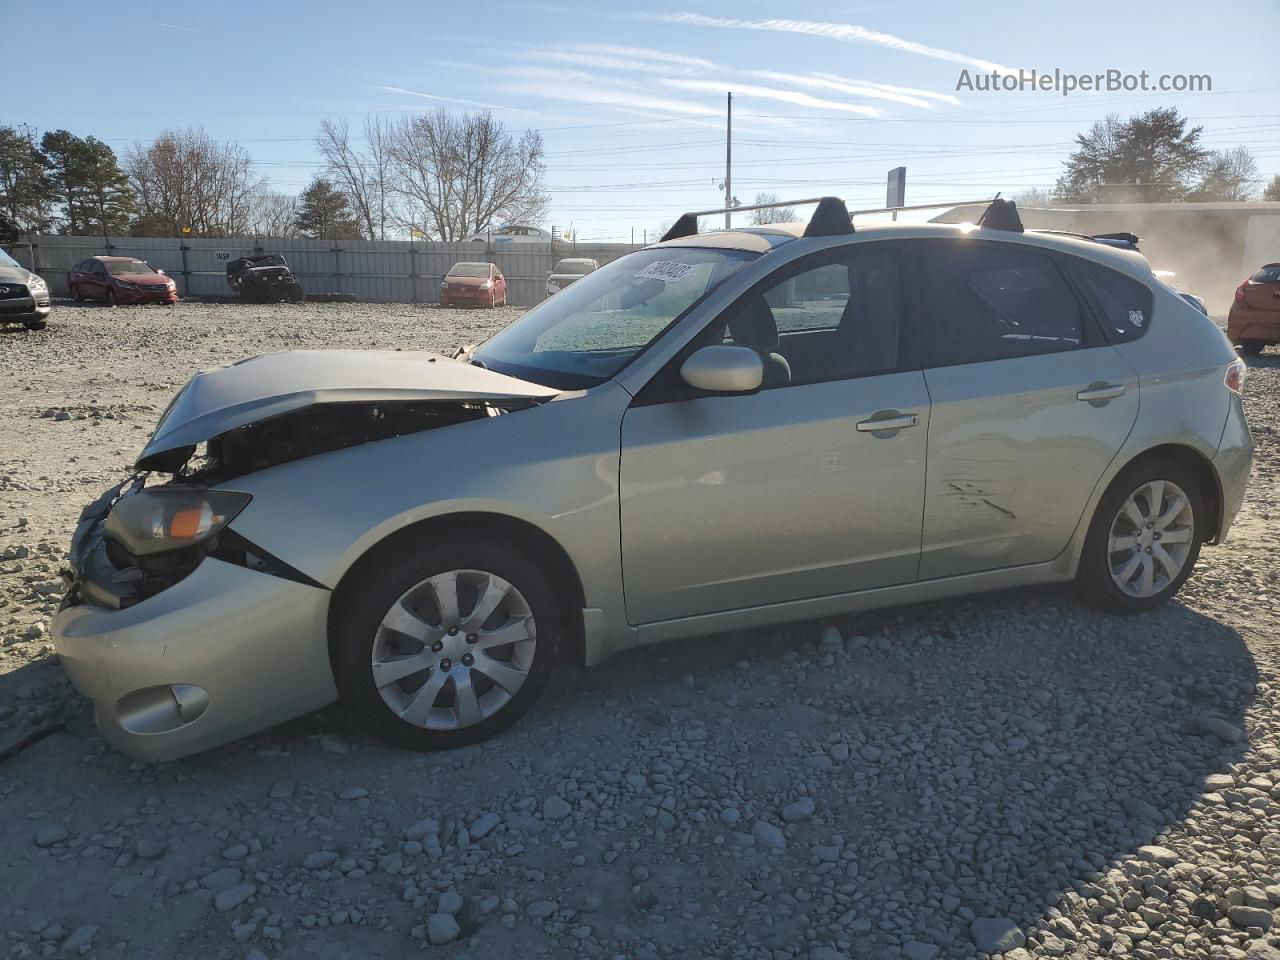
x,y
983,757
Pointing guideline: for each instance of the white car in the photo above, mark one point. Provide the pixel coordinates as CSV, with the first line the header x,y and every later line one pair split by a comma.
x,y
513,233
567,271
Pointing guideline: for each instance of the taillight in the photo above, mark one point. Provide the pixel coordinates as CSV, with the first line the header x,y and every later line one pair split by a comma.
x,y
1234,377
1240,292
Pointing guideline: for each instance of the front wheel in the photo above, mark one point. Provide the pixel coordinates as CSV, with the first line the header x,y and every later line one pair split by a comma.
x,y
75,292
1144,539
1252,347
111,298
35,324
443,646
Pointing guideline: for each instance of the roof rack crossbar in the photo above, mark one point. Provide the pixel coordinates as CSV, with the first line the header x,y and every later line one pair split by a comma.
x,y
920,206
755,206
828,219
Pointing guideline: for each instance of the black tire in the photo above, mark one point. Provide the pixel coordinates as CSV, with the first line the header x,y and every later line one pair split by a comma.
x,y
74,290
1093,578
111,298
355,625
35,324
1252,348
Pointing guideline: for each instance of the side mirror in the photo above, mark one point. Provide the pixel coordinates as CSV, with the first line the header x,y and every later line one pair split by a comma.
x,y
723,369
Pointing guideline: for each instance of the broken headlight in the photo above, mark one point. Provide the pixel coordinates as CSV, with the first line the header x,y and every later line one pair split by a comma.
x,y
165,519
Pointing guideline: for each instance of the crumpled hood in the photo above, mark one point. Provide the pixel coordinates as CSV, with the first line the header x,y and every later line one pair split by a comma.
x,y
273,384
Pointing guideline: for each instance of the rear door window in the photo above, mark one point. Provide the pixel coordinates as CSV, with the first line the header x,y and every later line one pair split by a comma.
x,y
1124,304
996,301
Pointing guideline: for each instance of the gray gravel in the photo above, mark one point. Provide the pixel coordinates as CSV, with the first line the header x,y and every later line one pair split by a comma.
x,y
1010,772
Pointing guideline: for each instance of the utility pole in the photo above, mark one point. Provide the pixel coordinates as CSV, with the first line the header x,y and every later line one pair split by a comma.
x,y
728,161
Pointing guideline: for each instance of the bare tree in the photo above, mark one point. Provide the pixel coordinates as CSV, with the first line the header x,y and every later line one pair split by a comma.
x,y
1034,197
362,174
459,175
184,178
772,214
1228,175
272,215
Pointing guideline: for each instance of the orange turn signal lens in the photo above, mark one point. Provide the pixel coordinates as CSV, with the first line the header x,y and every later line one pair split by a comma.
x,y
185,524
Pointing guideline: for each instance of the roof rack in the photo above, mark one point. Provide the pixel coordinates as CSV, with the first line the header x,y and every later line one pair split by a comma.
x,y
830,219
833,218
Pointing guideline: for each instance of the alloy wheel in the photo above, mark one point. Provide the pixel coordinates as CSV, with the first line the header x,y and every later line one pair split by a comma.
x,y
1150,538
454,649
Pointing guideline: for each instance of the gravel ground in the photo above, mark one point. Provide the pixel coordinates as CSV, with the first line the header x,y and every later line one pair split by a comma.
x,y
1010,773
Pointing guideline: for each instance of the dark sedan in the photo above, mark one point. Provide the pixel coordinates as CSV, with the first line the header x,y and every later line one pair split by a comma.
x,y
120,280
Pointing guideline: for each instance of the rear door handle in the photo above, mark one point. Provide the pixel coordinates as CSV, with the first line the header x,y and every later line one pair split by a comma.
x,y
900,422
1101,391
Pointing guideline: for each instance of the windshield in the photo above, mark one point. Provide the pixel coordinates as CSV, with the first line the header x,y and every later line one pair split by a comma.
x,y
8,261
578,267
123,268
469,270
594,328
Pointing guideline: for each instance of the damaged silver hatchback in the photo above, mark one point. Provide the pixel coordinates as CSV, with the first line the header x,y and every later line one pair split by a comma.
x,y
721,430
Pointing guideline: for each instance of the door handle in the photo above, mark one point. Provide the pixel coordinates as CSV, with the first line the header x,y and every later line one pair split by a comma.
x,y
900,422
1103,392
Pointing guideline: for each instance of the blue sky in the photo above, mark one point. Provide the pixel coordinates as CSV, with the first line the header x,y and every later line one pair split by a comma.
x,y
630,98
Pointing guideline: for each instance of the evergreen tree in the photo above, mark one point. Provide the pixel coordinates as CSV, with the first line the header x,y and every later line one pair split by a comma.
x,y
26,195
325,213
87,181
1151,157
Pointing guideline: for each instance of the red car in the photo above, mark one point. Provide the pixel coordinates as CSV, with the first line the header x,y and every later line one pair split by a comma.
x,y
1254,320
120,280
473,284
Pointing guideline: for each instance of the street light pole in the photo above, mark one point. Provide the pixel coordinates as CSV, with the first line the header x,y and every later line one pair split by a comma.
x,y
728,161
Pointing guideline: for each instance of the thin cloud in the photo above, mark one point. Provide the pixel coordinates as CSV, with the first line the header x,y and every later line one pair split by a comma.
x,y
772,93
433,96
643,53
855,88
613,97
176,26
849,32
893,88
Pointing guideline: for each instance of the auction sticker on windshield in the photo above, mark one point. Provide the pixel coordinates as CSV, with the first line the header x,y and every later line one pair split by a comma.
x,y
668,271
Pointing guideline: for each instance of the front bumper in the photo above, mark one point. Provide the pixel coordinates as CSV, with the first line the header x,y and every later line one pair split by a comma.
x,y
125,295
223,653
465,295
24,309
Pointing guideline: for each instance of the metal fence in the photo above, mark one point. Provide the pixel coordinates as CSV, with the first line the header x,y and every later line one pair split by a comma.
x,y
392,271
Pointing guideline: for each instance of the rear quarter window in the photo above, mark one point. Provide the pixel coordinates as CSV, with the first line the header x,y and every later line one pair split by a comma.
x,y
1124,304
1268,274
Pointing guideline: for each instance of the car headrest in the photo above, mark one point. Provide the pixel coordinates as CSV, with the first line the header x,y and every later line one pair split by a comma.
x,y
753,326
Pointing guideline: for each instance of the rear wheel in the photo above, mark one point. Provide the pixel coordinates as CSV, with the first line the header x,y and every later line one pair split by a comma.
x,y
35,324
1144,539
443,646
1252,347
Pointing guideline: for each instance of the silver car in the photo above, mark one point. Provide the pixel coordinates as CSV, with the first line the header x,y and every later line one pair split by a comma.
x,y
24,295
567,271
718,431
